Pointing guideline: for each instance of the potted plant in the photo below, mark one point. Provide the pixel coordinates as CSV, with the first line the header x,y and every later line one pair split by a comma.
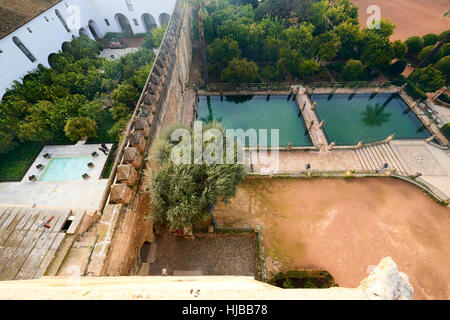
x,y
47,156
85,176
94,154
40,166
90,164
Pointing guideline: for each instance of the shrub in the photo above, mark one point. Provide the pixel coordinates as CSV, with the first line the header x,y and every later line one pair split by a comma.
x,y
303,279
443,65
446,49
446,130
240,71
443,35
398,67
415,92
445,98
353,70
415,44
426,51
79,127
430,39
429,78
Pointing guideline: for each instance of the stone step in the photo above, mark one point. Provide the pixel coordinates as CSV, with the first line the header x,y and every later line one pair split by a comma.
x,y
399,162
182,273
369,159
361,159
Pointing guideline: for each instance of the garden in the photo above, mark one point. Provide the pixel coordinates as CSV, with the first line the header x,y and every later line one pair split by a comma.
x,y
81,95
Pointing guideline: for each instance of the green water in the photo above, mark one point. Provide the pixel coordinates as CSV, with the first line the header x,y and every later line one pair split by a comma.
x,y
66,169
255,112
366,118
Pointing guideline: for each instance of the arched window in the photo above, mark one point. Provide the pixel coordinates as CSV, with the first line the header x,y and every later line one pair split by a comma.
x,y
58,14
25,51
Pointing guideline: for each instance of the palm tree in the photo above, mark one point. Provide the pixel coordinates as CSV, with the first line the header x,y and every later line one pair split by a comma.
x,y
374,116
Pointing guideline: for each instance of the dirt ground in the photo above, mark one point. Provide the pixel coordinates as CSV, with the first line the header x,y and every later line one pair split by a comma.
x,y
347,226
212,255
412,17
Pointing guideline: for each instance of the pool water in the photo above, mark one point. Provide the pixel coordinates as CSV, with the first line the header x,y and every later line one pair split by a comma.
x,y
365,117
256,112
65,169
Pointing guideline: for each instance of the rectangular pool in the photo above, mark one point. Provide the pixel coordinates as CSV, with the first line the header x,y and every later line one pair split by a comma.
x,y
365,117
65,169
258,112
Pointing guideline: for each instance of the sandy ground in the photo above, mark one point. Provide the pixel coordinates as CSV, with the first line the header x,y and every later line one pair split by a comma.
x,y
412,17
347,227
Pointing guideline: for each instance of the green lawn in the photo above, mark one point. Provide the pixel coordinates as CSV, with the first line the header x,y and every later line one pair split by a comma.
x,y
14,164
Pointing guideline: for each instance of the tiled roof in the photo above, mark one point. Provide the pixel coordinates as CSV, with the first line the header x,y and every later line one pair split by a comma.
x,y
15,13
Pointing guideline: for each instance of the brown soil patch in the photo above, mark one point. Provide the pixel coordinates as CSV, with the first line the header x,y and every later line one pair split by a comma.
x,y
347,227
412,17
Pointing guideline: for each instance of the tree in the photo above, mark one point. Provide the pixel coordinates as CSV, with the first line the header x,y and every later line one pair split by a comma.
x,y
398,67
271,49
65,108
92,110
182,194
430,39
429,78
222,51
289,60
329,45
443,65
240,71
158,35
308,67
350,36
427,50
299,38
376,49
399,48
37,126
446,49
353,70
79,127
83,47
415,44
126,94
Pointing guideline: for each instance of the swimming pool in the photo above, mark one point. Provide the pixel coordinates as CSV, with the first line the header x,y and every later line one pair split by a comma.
x,y
258,112
66,169
367,117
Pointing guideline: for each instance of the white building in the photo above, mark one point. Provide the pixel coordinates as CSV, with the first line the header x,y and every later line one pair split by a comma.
x,y
26,45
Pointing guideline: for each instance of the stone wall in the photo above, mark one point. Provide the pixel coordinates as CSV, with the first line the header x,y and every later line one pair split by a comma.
x,y
159,105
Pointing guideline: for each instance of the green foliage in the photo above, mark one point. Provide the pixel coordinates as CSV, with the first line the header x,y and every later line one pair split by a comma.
x,y
240,71
427,50
329,45
126,94
443,65
221,52
153,39
446,49
415,44
398,67
415,92
353,70
443,35
377,50
303,279
271,73
429,78
430,39
446,130
79,127
399,48
15,164
182,193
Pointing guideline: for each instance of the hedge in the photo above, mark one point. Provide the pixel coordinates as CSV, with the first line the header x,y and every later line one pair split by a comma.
x,y
446,130
415,92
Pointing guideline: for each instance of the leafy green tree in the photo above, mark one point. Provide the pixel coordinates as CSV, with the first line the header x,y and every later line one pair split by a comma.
x,y
140,78
222,51
92,110
271,73
386,28
271,48
148,41
272,27
443,65
342,10
308,67
289,60
120,111
353,70
399,48
126,94
350,36
158,35
427,50
65,108
299,38
240,71
235,30
37,126
83,47
443,35
446,49
77,128
429,78
376,49
329,45
430,39
415,44
193,187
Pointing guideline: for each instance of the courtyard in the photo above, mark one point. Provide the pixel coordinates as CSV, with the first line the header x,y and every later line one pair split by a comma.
x,y
346,227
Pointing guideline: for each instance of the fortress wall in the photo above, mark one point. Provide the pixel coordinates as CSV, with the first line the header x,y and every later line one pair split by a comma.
x,y
161,103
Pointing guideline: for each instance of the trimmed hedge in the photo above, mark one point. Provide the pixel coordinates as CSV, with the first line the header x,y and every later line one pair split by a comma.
x,y
415,92
446,130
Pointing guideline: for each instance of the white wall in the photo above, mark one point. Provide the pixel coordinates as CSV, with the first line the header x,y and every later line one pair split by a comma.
x,y
48,36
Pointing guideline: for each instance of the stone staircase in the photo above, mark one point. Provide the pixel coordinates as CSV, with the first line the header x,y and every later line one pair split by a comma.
x,y
373,157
